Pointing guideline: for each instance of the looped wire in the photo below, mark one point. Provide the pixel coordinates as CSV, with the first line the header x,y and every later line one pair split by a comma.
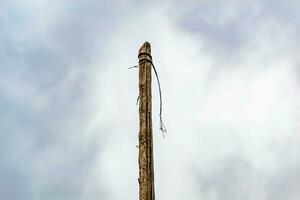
x,y
162,126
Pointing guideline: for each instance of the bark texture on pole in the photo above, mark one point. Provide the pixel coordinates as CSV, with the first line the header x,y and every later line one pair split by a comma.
x,y
146,167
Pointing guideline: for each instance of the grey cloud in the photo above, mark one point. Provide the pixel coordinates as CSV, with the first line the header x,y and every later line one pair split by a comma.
x,y
227,28
46,157
15,184
224,26
234,178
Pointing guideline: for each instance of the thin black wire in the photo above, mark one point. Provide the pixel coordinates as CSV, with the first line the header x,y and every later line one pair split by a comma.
x,y
162,126
132,67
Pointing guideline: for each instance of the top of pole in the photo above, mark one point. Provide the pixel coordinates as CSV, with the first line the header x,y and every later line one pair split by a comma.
x,y
145,53
145,48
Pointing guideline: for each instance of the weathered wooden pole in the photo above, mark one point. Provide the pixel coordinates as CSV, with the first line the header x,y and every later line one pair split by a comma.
x,y
146,167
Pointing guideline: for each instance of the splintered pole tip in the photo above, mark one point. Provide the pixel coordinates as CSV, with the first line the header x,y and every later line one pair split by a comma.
x,y
145,48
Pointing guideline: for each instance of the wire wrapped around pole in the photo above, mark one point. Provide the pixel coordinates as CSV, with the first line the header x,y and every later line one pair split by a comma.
x,y
162,126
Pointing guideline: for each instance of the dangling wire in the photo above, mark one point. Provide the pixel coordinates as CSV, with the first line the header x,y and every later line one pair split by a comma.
x,y
162,127
161,124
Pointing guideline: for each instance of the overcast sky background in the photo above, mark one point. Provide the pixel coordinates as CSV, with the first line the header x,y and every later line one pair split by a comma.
x,y
230,78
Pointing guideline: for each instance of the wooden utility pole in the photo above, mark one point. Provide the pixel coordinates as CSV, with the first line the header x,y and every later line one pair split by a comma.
x,y
146,166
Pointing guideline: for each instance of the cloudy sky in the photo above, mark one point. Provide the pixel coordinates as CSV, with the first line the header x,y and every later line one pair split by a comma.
x,y
230,79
